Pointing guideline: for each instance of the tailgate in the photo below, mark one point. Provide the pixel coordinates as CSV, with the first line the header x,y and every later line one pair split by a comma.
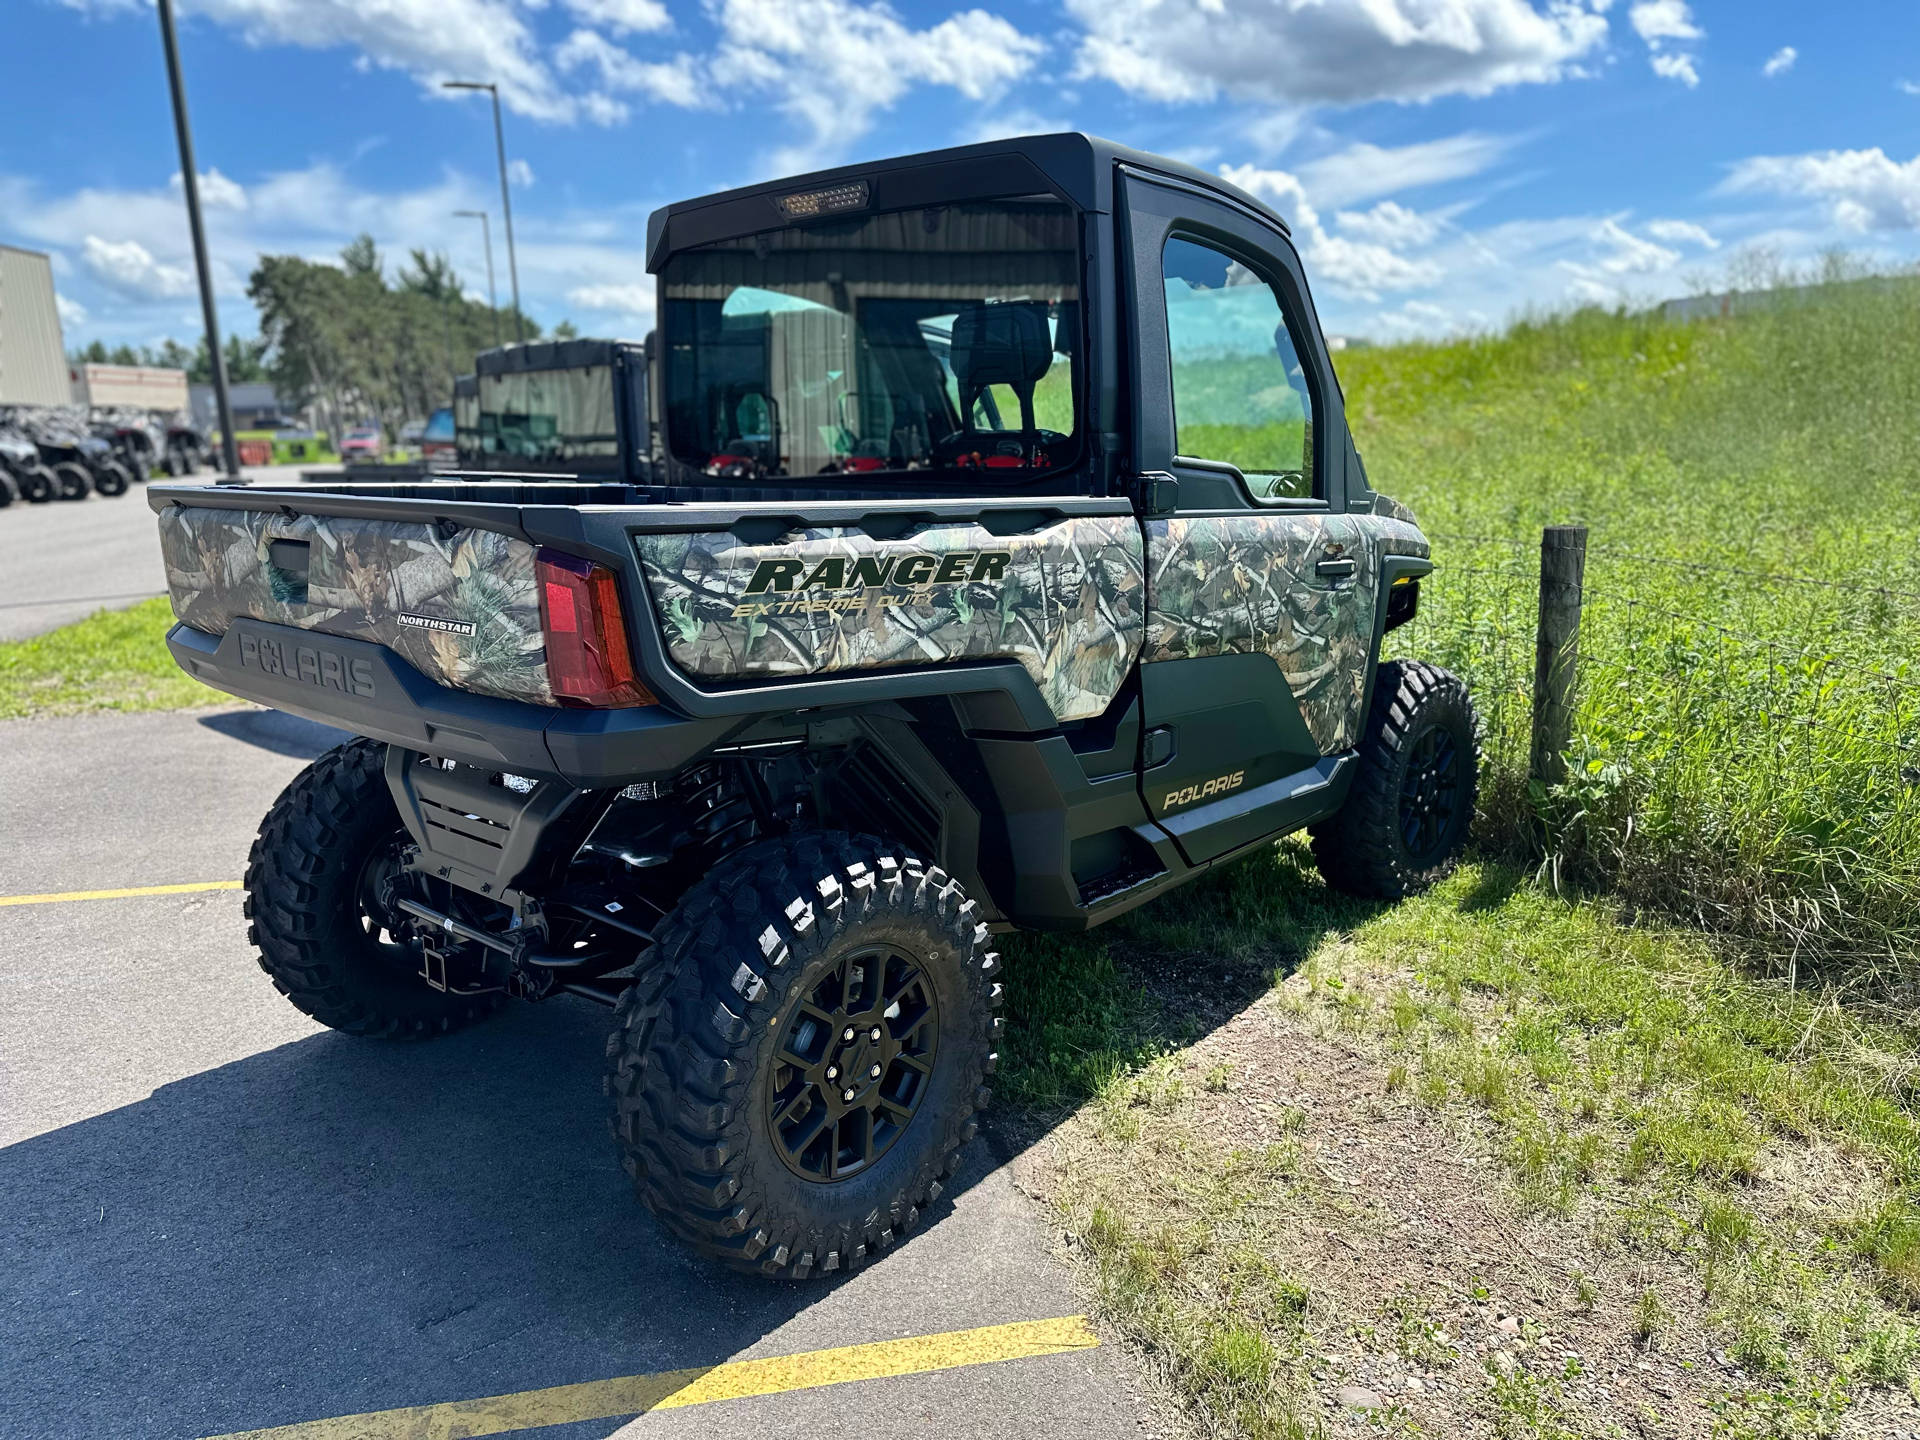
x,y
459,604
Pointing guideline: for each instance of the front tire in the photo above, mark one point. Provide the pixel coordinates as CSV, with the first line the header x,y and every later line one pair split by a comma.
x,y
37,485
1406,817
311,893
112,479
804,1052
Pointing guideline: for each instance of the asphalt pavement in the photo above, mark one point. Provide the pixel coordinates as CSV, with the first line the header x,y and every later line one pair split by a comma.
x,y
217,1216
61,561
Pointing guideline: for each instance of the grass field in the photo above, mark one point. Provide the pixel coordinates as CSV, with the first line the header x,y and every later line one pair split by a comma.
x,y
112,660
1748,751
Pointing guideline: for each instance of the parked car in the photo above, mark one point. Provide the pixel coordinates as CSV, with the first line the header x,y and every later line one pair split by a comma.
x,y
438,442
363,442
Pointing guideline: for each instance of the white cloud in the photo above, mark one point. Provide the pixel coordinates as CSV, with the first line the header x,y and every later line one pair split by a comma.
x,y
1360,268
1781,62
1340,52
72,313
830,64
674,82
623,16
129,267
520,173
1661,20
1679,232
1676,67
1389,224
430,40
1907,87
1628,254
627,301
1863,189
217,192
1657,22
1361,172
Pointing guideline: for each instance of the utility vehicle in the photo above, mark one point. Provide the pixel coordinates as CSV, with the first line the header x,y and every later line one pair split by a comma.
x,y
997,558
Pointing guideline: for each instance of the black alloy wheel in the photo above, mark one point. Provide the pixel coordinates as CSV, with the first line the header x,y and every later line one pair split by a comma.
x,y
1429,793
854,1063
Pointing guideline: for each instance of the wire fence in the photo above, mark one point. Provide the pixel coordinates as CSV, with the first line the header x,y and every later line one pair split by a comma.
x,y
1746,745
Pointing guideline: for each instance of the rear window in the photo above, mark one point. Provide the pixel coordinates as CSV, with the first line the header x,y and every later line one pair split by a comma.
x,y
548,414
941,339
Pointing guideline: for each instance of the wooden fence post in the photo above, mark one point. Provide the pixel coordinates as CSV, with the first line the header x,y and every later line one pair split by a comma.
x,y
1556,658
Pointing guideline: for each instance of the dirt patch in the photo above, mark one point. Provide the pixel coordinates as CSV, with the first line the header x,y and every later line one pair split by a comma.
x,y
1431,1299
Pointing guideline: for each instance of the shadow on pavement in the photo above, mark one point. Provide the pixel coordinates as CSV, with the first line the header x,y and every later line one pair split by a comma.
x,y
274,730
337,1226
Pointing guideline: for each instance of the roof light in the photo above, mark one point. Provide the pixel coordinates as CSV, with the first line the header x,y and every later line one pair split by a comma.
x,y
588,662
851,196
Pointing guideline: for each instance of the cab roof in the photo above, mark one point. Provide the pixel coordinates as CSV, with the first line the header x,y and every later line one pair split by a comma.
x,y
1077,168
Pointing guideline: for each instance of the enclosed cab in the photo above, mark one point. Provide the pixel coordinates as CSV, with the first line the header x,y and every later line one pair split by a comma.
x,y
566,408
993,555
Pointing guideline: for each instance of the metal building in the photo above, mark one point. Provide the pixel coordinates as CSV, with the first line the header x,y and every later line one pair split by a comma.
x,y
33,354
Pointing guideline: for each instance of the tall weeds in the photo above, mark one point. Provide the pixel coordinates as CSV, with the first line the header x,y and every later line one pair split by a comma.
x,y
1747,752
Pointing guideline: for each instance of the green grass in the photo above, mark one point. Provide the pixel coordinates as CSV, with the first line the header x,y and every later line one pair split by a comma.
x,y
1640,1078
112,660
1747,754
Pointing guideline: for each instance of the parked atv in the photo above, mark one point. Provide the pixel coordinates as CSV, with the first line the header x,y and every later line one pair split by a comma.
x,y
139,442
26,478
187,448
82,463
765,767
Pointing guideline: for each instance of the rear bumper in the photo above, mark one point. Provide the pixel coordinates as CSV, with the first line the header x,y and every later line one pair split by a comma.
x,y
366,688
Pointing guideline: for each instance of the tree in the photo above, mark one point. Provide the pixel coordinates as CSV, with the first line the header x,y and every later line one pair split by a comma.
x,y
364,348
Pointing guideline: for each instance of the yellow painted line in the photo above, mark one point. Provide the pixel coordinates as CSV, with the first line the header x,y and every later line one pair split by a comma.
x,y
119,894
672,1389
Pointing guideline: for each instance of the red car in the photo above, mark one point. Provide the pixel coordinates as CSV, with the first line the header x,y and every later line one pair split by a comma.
x,y
363,442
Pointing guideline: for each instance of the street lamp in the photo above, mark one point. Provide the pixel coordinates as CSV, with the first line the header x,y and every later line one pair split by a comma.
x,y
486,234
506,200
190,181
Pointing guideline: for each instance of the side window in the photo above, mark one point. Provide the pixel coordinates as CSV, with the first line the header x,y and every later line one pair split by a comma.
x,y
1240,394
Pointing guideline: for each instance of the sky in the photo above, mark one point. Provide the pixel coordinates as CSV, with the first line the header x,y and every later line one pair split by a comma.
x,y
1444,164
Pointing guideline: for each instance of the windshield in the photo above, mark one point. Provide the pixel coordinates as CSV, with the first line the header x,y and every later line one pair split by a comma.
x,y
548,414
943,339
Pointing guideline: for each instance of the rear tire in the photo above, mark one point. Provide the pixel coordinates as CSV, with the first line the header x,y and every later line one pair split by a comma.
x,y
753,1157
112,479
307,898
9,492
1406,818
71,480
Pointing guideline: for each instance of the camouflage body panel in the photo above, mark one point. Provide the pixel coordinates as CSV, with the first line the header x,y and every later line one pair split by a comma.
x,y
462,608
1400,532
1067,602
1226,585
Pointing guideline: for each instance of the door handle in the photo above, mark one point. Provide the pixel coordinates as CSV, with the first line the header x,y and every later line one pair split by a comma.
x,y
1335,568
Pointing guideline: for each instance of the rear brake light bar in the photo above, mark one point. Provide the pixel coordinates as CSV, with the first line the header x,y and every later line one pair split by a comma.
x,y
588,662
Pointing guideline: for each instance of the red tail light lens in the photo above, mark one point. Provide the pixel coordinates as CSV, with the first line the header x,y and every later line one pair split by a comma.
x,y
588,663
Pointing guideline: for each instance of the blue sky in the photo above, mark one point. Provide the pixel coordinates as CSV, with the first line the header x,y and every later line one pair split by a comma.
x,y
1445,163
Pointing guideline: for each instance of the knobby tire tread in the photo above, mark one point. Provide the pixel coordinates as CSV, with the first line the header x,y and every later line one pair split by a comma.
x,y
1358,850
688,1043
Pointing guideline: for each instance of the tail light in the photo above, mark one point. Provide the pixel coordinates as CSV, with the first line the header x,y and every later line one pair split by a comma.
x,y
588,662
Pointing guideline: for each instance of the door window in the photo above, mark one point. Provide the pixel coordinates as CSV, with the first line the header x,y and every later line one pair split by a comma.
x,y
1240,394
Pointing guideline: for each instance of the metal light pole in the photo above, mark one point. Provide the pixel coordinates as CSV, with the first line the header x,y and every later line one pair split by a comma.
x,y
486,234
506,200
190,179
